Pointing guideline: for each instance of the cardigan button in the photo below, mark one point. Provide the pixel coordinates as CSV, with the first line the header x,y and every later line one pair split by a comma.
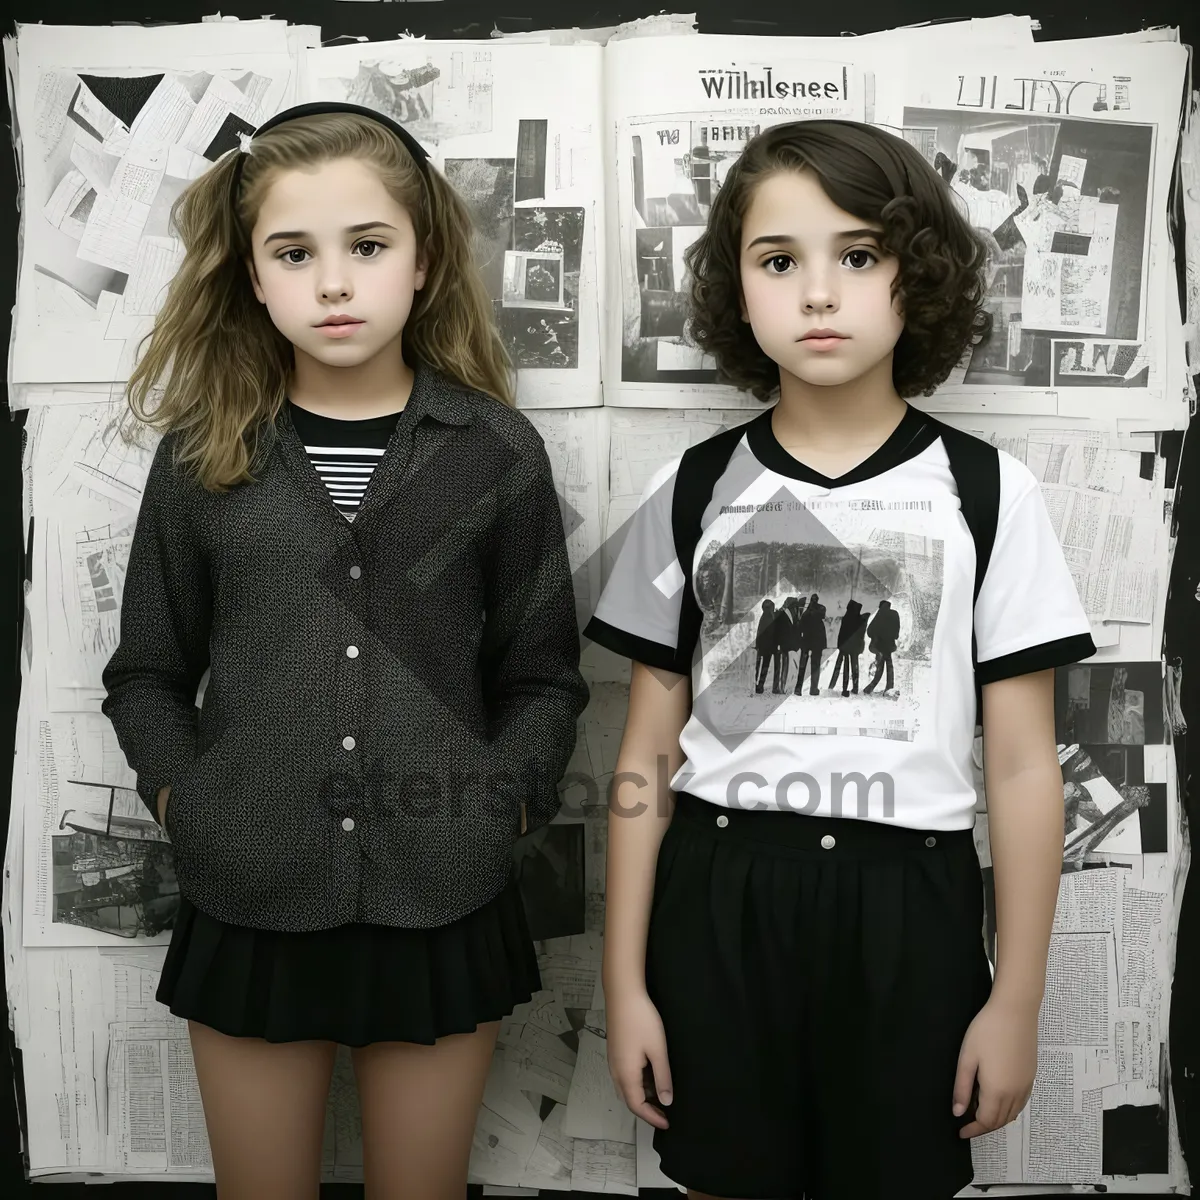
x,y
347,823
355,572
351,651
348,743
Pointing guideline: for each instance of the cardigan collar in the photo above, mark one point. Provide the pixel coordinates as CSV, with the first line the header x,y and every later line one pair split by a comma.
x,y
432,396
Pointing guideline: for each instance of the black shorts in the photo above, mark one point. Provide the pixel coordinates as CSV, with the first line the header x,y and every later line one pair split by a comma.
x,y
815,994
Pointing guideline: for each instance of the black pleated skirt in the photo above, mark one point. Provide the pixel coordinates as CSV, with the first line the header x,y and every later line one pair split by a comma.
x,y
355,984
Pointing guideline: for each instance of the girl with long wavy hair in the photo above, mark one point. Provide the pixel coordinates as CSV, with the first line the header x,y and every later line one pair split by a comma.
x,y
350,529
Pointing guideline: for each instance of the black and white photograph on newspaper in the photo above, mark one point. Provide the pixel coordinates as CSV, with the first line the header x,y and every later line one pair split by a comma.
x,y
1126,769
678,168
539,311
1110,703
1099,816
1099,363
1062,204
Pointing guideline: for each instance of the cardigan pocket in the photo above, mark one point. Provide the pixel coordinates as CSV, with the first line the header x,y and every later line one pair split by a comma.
x,y
181,792
177,785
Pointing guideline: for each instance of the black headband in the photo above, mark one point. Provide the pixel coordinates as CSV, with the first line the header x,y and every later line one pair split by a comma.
x,y
333,106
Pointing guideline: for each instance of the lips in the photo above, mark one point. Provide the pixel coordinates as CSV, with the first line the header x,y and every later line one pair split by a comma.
x,y
819,340
340,326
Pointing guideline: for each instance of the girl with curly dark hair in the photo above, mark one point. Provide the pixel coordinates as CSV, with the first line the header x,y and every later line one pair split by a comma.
x,y
897,224
774,966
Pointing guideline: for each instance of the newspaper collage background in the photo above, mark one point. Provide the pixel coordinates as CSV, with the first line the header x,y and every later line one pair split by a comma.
x,y
590,160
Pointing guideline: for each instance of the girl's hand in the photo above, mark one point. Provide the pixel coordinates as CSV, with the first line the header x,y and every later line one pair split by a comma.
x,y
999,1053
637,1057
163,793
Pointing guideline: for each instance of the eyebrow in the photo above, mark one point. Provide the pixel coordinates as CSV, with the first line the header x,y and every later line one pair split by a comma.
x,y
783,239
288,234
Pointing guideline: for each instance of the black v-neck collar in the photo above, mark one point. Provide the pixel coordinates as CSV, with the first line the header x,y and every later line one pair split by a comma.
x,y
915,433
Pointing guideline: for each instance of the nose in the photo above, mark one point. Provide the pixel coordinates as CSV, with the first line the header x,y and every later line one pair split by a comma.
x,y
820,292
333,280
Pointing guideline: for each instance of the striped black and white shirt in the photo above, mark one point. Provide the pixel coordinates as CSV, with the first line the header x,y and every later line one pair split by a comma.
x,y
344,453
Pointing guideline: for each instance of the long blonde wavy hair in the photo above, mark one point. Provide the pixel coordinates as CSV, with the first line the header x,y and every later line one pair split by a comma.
x,y
214,359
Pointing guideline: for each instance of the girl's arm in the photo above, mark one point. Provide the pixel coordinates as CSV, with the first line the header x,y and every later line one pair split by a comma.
x,y
166,615
529,656
1028,621
640,808
1025,825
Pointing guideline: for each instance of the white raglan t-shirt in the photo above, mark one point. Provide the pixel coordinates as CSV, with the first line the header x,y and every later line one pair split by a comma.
x,y
888,537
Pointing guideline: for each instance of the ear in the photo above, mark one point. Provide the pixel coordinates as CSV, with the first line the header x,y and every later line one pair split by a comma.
x,y
422,271
258,292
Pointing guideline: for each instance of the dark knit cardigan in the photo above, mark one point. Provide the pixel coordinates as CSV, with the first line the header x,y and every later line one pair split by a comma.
x,y
389,701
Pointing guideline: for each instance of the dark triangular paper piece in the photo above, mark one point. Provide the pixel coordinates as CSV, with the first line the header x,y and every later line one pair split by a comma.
x,y
124,96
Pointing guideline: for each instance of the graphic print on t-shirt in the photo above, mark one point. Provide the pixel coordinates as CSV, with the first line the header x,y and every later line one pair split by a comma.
x,y
818,616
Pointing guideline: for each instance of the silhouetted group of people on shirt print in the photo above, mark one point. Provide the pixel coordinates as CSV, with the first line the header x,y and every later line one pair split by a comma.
x,y
798,624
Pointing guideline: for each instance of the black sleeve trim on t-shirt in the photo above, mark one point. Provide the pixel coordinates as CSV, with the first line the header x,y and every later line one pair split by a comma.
x,y
1060,653
629,645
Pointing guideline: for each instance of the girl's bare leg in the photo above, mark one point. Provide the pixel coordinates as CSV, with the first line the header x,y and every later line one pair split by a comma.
x,y
420,1105
264,1106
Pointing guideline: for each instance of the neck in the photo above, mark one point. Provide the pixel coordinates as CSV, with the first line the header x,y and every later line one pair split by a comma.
x,y
381,385
859,413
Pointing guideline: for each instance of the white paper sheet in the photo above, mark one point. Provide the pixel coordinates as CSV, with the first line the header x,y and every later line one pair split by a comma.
x,y
105,115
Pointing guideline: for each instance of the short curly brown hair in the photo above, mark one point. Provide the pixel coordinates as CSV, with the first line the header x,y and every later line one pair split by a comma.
x,y
876,177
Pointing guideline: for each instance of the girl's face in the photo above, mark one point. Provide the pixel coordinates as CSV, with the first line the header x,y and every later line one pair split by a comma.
x,y
809,268
331,242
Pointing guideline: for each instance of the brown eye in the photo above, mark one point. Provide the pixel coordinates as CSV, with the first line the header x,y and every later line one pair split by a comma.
x,y
858,259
